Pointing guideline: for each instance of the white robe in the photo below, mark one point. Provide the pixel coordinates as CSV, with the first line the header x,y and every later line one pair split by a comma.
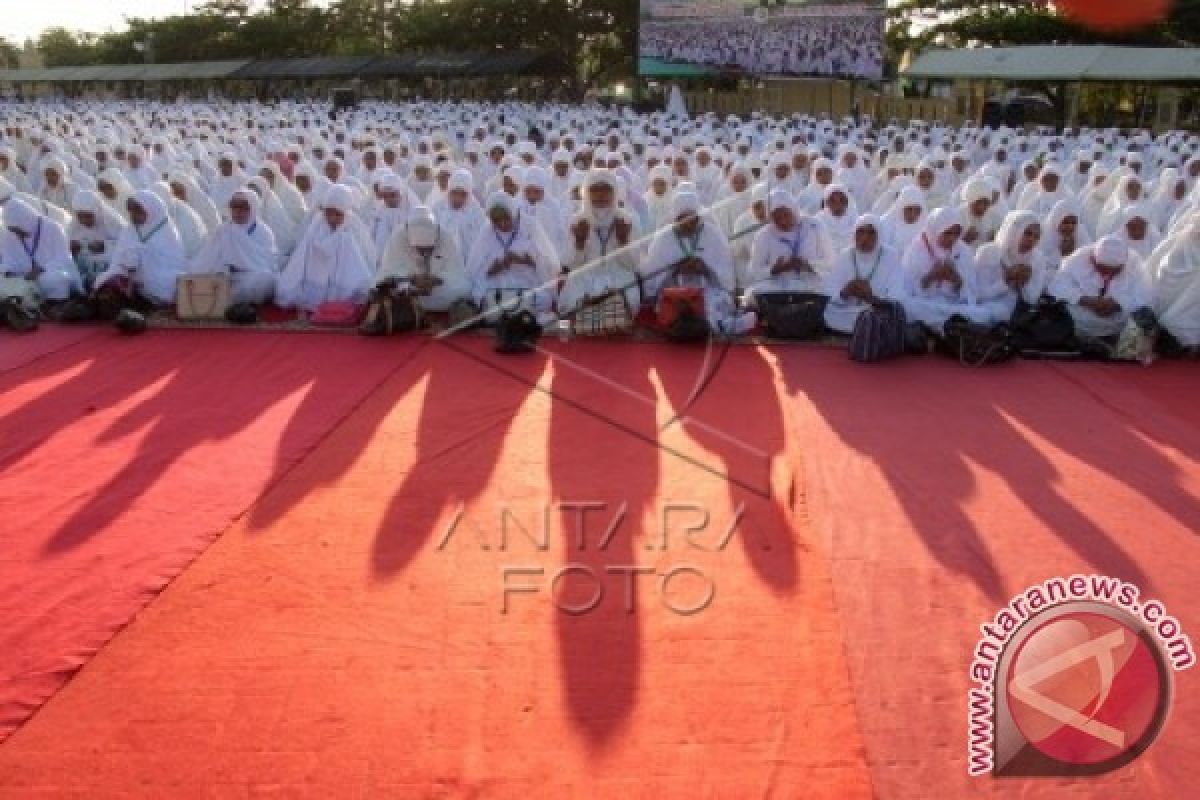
x,y
601,266
881,269
150,256
718,285
1078,279
46,247
403,261
808,241
327,265
247,254
1177,286
533,284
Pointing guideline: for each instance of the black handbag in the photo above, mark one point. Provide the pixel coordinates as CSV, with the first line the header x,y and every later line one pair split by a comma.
x,y
793,315
1043,327
517,329
976,345
390,311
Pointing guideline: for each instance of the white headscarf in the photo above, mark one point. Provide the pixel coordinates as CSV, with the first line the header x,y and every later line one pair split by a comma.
x,y
329,263
108,224
152,253
1175,269
925,252
898,233
245,248
45,243
992,260
709,244
465,223
1052,241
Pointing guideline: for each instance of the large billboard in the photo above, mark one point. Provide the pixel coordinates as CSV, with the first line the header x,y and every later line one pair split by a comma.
x,y
827,38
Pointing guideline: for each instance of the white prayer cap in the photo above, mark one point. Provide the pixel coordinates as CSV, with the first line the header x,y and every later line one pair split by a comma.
x,y
86,201
461,180
422,228
339,198
685,202
600,177
780,198
869,221
1111,251
502,201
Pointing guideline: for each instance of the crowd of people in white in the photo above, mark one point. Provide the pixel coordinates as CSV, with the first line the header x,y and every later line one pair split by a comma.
x,y
842,45
566,204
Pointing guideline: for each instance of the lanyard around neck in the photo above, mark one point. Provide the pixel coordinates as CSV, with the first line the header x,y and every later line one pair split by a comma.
x,y
512,236
152,231
37,240
691,245
605,235
874,267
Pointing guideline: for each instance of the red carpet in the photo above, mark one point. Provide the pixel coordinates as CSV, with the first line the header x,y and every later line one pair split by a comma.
x,y
346,638
123,459
940,493
19,350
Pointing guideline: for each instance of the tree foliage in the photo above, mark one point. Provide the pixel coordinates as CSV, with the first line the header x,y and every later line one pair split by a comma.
x,y
595,35
10,54
916,24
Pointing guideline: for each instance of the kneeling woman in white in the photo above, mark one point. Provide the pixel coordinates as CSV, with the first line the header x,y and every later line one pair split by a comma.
x,y
1102,284
791,254
93,234
693,253
329,263
1014,267
33,246
243,249
864,274
1176,273
423,257
939,275
512,258
149,253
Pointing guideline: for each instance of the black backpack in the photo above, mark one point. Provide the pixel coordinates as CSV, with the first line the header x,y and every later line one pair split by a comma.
x,y
880,333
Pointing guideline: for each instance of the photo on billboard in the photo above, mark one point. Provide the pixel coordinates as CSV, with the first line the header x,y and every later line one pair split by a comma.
x,y
764,38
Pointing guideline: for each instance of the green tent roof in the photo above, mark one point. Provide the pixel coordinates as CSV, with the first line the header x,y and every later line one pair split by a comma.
x,y
653,68
1062,63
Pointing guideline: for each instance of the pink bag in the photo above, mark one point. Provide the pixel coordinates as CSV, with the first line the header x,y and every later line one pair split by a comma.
x,y
338,314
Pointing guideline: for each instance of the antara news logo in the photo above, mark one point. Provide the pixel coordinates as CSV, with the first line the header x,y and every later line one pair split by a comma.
x,y
1072,678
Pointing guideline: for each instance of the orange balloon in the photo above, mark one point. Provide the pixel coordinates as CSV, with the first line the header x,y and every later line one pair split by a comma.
x,y
1115,15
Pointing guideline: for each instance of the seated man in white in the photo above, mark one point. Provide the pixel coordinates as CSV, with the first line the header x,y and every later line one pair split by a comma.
x,y
791,253
938,278
864,275
600,257
243,249
332,262
34,247
1015,267
424,258
1103,284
